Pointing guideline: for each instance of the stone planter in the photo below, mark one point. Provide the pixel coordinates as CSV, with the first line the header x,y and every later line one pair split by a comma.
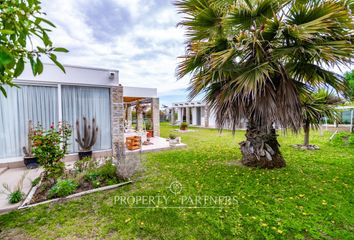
x,y
173,142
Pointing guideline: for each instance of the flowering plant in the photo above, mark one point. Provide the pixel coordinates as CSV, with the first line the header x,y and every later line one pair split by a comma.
x,y
50,146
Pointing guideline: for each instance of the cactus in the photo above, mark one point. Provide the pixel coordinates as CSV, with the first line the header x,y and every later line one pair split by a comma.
x,y
90,135
28,150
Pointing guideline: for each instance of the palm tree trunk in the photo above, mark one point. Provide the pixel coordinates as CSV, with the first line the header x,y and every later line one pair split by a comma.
x,y
307,133
261,149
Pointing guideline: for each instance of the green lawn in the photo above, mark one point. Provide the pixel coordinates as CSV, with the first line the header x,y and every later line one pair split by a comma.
x,y
312,198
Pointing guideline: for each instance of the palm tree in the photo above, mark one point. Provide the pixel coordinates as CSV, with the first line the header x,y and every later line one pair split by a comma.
x,y
252,59
349,77
316,106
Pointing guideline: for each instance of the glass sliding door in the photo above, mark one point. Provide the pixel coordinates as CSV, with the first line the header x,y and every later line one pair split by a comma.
x,y
89,102
36,103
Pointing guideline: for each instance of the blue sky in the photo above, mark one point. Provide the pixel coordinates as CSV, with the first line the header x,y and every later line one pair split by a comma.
x,y
137,37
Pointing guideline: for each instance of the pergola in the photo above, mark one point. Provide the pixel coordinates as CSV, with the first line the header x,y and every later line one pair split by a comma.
x,y
193,113
139,98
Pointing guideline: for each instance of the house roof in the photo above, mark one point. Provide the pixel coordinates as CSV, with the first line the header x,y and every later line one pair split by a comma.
x,y
75,75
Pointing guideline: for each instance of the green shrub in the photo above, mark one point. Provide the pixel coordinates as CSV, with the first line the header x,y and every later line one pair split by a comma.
x,y
184,126
85,164
16,196
35,181
105,174
343,139
351,140
172,136
50,147
92,177
62,188
107,170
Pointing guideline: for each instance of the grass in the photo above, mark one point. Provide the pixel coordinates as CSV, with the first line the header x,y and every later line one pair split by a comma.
x,y
312,198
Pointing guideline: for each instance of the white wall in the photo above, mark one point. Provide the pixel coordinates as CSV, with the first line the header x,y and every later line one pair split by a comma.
x,y
75,75
212,119
139,92
202,116
194,115
179,114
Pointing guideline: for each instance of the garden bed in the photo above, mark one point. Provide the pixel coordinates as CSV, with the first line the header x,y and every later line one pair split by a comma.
x,y
58,181
87,175
30,200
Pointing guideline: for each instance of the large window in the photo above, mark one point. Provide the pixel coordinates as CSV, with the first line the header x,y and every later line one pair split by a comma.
x,y
36,103
40,104
90,102
346,117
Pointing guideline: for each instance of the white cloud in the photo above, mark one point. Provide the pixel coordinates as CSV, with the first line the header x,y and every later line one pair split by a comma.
x,y
137,37
136,7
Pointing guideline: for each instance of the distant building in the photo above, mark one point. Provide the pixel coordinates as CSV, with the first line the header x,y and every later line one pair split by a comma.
x,y
347,118
196,113
199,114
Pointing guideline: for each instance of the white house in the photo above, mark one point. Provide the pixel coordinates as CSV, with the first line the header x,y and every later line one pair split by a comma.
x,y
196,113
199,114
54,96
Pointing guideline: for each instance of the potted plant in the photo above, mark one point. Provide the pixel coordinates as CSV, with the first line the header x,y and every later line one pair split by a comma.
x,y
89,138
183,126
29,159
173,140
150,132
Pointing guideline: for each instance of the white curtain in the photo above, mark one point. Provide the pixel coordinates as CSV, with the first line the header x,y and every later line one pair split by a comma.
x,y
36,103
89,102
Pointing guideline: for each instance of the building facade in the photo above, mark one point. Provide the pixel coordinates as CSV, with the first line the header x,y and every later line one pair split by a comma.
x,y
54,97
196,113
199,114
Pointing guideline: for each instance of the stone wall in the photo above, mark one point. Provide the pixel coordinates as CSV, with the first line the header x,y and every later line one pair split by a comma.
x,y
155,108
117,113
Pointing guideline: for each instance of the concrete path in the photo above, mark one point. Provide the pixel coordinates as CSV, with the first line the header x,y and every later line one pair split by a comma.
x,y
12,177
158,144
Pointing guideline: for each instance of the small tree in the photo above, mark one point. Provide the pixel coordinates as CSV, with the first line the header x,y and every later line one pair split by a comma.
x,y
50,147
21,25
349,76
316,106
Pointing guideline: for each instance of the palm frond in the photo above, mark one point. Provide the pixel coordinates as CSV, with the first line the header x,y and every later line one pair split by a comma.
x,y
255,59
320,104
